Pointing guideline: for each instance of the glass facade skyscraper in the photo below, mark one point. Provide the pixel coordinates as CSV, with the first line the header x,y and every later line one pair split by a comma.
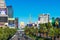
x,y
10,11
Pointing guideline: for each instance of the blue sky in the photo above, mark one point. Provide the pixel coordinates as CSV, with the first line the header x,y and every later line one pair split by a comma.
x,y
23,8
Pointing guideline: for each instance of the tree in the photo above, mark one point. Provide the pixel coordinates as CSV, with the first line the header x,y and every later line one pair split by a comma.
x,y
57,23
27,30
5,33
49,25
42,27
53,21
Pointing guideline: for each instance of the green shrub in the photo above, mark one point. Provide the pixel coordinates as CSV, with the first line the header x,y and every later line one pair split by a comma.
x,y
6,33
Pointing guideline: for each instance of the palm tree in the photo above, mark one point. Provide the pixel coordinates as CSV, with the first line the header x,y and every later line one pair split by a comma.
x,y
51,33
49,25
26,30
53,21
43,29
56,23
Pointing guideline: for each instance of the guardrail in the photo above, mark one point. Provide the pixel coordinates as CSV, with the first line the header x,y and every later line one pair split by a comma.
x,y
27,37
14,37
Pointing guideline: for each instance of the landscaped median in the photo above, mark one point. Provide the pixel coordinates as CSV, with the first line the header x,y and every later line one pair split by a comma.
x,y
6,33
45,32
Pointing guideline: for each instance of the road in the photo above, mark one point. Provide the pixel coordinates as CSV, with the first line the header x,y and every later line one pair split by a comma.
x,y
20,36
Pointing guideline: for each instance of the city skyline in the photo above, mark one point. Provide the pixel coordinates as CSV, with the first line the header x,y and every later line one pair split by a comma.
x,y
23,8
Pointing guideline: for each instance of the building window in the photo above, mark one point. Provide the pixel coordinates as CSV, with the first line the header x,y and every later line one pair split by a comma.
x,y
3,19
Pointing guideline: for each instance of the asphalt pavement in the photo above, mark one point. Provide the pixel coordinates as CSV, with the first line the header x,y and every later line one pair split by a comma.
x,y
20,36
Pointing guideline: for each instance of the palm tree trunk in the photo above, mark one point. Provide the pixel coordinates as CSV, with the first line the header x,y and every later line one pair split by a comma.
x,y
52,37
44,34
47,34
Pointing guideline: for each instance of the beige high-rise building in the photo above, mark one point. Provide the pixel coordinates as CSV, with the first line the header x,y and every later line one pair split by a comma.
x,y
22,24
2,4
3,13
43,18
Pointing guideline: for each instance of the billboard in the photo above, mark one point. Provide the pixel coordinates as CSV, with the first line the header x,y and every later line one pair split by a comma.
x,y
3,11
11,23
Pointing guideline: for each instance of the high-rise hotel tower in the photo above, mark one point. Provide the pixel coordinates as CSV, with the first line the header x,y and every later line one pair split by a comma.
x,y
3,14
43,18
